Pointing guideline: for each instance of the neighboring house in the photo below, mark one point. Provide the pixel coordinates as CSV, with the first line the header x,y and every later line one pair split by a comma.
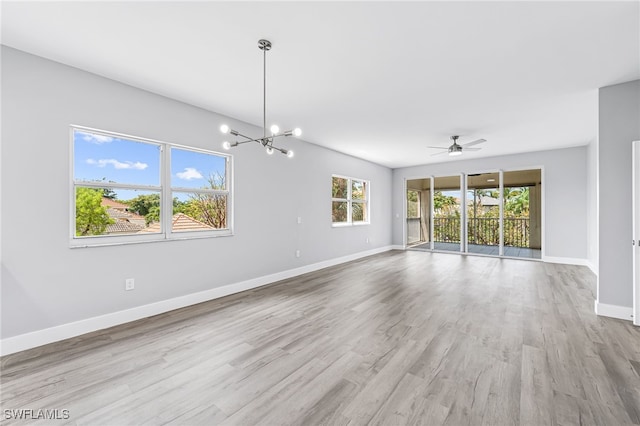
x,y
488,203
180,223
126,222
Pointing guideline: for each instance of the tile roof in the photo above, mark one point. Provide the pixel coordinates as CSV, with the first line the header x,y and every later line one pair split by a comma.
x,y
180,223
126,222
125,215
108,202
123,226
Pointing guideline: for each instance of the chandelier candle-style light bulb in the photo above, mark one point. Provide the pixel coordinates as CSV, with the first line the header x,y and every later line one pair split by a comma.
x,y
265,141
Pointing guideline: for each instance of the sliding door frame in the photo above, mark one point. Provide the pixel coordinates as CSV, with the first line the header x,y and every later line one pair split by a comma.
x,y
464,239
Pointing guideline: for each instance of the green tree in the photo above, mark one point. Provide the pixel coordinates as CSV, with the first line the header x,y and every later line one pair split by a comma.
x,y
144,204
412,204
444,205
91,215
208,208
516,201
147,205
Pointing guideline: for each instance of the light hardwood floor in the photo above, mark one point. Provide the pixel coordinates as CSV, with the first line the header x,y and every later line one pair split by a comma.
x,y
397,338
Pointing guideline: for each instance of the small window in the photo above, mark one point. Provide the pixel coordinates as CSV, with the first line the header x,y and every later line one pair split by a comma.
x,y
120,194
350,201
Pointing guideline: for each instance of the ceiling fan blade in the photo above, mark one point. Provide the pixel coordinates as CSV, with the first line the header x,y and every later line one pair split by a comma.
x,y
438,147
476,142
439,153
471,149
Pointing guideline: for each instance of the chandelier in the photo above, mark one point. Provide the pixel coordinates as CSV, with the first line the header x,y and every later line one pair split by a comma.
x,y
266,140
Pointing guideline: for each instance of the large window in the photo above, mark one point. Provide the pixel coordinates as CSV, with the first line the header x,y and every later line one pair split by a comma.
x,y
128,189
349,200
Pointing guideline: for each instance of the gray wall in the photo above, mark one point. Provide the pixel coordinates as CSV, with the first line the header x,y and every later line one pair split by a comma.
x,y
45,283
564,186
592,205
619,125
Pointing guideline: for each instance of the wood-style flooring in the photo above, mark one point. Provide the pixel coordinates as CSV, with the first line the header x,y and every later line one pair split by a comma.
x,y
404,337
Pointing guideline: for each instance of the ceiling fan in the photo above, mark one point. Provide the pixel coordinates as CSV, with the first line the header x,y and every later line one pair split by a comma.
x,y
456,149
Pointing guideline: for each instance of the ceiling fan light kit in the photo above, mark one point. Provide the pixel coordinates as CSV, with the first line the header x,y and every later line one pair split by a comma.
x,y
266,140
456,149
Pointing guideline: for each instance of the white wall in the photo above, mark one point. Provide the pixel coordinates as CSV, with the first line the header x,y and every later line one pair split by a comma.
x,y
46,284
619,125
564,191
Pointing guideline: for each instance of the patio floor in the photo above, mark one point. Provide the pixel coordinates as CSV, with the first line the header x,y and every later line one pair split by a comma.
x,y
521,252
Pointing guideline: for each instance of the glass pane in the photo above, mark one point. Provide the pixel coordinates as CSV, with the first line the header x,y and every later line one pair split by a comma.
x,y
116,212
199,212
97,157
339,211
522,214
358,190
446,218
483,213
358,212
419,213
191,169
340,188
413,217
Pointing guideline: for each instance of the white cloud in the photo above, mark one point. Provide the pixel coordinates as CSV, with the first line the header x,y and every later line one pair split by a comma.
x,y
118,164
96,139
189,174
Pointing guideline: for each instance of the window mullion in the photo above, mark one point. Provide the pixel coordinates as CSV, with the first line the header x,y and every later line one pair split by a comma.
x,y
350,201
166,202
116,185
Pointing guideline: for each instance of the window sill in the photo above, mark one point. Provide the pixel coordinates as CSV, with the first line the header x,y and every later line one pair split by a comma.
x,y
82,243
347,225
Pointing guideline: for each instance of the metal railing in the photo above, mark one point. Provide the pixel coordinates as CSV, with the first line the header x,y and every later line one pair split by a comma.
x,y
483,231
446,229
414,232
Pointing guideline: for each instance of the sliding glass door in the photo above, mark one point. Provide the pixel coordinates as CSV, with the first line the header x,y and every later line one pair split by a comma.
x,y
493,213
419,213
483,213
447,213
522,199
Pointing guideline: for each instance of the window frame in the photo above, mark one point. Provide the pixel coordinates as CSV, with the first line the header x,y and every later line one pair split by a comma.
x,y
165,189
366,202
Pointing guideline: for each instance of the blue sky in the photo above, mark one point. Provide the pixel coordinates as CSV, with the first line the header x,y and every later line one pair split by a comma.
x,y
98,157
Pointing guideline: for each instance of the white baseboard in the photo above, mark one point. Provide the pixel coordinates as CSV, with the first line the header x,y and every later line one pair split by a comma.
x,y
594,268
397,247
65,331
614,311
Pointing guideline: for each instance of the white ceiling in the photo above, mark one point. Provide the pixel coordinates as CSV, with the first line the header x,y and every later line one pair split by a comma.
x,y
377,80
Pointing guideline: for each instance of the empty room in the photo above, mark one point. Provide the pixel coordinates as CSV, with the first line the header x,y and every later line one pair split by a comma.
x,y
320,213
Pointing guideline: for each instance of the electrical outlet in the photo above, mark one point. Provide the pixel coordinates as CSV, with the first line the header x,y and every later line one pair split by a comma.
x,y
297,253
299,220
367,240
129,284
